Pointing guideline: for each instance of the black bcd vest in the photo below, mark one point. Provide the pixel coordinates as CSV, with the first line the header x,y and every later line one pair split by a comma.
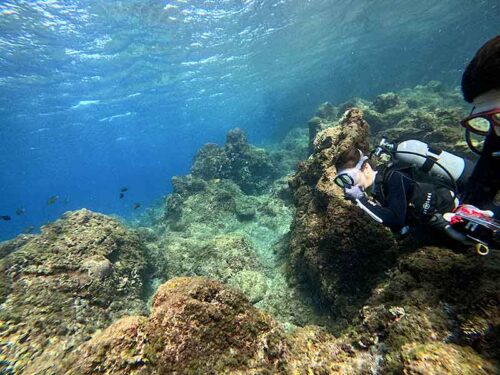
x,y
428,195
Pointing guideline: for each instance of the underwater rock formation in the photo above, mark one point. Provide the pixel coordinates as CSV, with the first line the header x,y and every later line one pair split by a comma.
x,y
430,113
199,326
437,312
213,229
57,288
332,240
249,167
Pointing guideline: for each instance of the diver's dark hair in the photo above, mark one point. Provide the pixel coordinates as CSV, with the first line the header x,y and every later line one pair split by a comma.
x,y
483,72
348,159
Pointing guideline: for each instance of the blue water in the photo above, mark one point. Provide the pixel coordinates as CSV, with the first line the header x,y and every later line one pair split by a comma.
x,y
96,95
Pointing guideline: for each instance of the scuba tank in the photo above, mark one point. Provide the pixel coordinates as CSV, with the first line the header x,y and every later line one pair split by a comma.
x,y
437,163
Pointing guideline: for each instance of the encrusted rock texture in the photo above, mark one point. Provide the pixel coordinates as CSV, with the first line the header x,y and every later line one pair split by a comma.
x,y
199,326
332,241
248,166
57,288
430,113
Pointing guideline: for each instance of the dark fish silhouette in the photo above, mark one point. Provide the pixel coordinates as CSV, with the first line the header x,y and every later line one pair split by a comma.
x,y
28,229
20,211
5,217
124,189
122,195
53,199
136,205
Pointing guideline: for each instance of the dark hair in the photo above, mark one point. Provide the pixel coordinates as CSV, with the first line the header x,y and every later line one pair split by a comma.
x,y
483,72
348,159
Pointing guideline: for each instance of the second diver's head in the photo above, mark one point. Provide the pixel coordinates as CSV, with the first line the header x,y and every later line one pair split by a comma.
x,y
482,74
353,168
481,87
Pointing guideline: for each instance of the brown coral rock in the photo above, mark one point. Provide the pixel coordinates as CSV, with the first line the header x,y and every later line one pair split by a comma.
x,y
60,286
332,240
443,359
251,168
197,326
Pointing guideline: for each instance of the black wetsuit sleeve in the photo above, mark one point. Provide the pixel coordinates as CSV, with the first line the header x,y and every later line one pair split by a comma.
x,y
393,213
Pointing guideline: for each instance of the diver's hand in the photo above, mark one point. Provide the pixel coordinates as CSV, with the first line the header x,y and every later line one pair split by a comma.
x,y
353,193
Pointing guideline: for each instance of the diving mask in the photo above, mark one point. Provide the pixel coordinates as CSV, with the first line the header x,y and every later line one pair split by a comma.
x,y
481,123
347,177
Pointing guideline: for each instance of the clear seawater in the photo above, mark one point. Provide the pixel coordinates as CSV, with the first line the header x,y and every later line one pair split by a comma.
x,y
100,94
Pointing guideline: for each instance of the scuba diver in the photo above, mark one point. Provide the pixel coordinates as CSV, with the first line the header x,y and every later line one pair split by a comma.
x,y
401,200
481,87
419,185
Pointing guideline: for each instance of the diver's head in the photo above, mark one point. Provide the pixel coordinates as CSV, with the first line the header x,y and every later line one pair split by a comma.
x,y
481,87
353,168
483,72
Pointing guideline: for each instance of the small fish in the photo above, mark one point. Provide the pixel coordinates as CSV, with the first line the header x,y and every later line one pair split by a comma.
x,y
65,201
53,199
5,217
136,205
28,229
122,195
124,189
20,211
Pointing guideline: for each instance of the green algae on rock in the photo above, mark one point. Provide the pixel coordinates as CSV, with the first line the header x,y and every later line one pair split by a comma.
x,y
430,113
249,167
82,272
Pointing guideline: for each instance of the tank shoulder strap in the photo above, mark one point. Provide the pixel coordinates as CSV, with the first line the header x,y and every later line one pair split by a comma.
x,y
384,173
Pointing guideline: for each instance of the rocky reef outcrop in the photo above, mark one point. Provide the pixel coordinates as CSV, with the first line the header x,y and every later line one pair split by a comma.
x,y
430,113
57,288
332,241
213,229
248,166
199,326
256,272
437,312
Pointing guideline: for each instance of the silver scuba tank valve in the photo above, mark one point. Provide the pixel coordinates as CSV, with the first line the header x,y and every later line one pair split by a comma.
x,y
383,146
436,162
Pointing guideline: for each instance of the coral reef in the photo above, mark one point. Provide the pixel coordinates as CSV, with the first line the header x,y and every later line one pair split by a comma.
x,y
249,167
198,326
434,301
262,269
332,240
418,308
57,288
213,229
428,112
